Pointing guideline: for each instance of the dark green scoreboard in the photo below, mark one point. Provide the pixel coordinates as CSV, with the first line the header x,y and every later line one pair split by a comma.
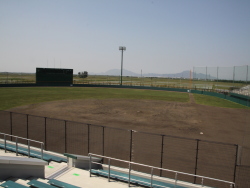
x,y
54,77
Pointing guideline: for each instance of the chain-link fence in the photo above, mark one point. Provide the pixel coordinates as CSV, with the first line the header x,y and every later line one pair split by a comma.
x,y
152,81
17,78
234,79
212,159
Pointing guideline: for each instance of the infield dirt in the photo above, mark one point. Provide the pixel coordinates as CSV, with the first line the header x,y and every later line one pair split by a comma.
x,y
170,118
189,120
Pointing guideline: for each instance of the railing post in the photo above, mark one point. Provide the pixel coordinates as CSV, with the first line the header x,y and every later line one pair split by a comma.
x,y
151,182
176,174
103,140
196,159
90,158
129,171
27,125
162,143
65,135
109,171
11,124
88,138
131,145
4,143
45,132
29,148
16,147
42,151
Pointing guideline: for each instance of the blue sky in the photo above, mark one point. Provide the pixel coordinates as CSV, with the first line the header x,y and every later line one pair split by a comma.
x,y
161,36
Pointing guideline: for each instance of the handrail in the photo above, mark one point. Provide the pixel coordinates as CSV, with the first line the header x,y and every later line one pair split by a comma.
x,y
17,137
232,184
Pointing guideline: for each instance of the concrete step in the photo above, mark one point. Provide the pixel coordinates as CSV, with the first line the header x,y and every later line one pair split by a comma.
x,y
22,182
54,167
50,169
74,176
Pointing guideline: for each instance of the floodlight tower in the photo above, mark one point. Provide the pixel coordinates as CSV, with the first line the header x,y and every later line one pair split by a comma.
x,y
122,48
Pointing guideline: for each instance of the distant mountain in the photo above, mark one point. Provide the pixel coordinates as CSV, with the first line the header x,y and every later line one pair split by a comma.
x,y
204,76
117,72
183,74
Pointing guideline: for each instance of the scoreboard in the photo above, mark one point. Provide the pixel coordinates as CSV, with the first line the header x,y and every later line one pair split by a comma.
x,y
54,77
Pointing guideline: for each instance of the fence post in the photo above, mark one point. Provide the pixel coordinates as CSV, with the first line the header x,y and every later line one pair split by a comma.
x,y
65,135
217,74
27,126
45,132
234,74
236,161
131,146
103,140
247,75
11,124
88,137
196,159
162,143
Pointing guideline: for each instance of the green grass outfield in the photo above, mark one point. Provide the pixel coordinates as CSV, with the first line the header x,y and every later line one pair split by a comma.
x,y
215,101
13,97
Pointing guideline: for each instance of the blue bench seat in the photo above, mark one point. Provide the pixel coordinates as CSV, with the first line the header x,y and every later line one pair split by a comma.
x,y
12,184
61,184
134,179
33,153
38,184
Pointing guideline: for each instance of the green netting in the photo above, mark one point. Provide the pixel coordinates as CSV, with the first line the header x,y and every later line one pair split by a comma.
x,y
212,73
240,96
199,73
235,73
196,91
214,94
225,73
240,73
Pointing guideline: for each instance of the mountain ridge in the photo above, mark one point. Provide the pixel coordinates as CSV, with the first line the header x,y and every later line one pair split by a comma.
x,y
117,72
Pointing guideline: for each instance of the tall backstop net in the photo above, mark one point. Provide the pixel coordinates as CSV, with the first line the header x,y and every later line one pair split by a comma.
x,y
236,78
54,77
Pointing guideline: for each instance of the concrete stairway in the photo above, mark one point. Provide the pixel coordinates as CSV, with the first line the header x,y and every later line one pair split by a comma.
x,y
60,171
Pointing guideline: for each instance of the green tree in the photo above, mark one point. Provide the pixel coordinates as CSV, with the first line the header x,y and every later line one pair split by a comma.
x,y
83,74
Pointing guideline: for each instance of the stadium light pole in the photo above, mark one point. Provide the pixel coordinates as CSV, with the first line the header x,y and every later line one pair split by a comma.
x,y
122,48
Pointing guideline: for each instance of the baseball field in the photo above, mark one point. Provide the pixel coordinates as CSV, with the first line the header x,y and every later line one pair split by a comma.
x,y
171,113
185,117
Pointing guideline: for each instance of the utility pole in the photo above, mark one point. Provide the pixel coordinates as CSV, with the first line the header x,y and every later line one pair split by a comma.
x,y
122,48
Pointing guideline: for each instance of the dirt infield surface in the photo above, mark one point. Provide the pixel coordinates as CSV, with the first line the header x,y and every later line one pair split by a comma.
x,y
170,118
183,119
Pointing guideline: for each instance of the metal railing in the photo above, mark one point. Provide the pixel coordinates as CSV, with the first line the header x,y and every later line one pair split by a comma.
x,y
231,184
29,140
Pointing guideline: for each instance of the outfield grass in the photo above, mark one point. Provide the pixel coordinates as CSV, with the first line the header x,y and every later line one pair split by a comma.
x,y
214,101
13,97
